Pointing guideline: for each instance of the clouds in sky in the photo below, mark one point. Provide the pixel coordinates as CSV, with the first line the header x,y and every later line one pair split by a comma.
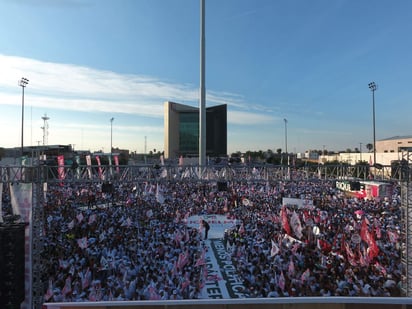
x,y
71,88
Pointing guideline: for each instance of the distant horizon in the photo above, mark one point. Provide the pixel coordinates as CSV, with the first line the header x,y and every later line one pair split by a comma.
x,y
17,148
308,63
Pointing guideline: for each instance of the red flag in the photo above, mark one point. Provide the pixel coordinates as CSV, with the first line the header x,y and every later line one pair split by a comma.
x,y
324,246
285,222
350,254
367,237
363,260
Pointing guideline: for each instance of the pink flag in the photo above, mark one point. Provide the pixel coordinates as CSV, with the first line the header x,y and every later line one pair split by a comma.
x,y
305,276
99,167
201,260
70,225
275,249
89,165
92,218
60,169
82,242
380,268
116,162
63,264
393,237
86,279
49,292
153,295
282,281
242,229
186,282
67,286
291,268
296,225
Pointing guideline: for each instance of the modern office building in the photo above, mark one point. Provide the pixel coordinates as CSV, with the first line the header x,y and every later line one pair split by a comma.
x,y
181,130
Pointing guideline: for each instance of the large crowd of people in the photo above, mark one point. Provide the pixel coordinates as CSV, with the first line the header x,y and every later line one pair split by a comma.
x,y
132,241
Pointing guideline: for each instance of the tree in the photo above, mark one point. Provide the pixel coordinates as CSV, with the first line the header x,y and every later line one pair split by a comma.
x,y
369,147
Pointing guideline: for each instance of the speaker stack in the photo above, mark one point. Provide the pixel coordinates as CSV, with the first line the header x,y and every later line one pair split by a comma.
x,y
222,186
12,265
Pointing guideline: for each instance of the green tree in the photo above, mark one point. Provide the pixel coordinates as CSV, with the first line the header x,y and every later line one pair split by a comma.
x,y
369,147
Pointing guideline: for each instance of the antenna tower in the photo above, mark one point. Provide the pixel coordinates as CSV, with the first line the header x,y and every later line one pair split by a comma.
x,y
45,129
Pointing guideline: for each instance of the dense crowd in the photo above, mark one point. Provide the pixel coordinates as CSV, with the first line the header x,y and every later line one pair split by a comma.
x,y
133,243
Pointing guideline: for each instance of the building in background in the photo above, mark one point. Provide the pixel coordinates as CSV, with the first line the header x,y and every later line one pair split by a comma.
x,y
394,144
181,130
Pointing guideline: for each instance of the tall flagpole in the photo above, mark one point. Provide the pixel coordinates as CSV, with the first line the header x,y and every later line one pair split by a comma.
x,y
202,103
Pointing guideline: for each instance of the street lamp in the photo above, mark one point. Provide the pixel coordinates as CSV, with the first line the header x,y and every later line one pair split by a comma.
x,y
286,145
286,135
373,87
111,137
22,83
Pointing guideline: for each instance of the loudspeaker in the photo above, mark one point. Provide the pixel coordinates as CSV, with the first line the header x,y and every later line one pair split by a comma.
x,y
12,265
355,185
107,187
222,186
400,169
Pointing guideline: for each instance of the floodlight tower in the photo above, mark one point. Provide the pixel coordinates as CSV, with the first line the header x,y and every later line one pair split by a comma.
x,y
373,87
22,83
45,129
202,100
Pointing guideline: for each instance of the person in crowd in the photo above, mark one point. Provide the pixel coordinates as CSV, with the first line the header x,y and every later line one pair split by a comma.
x,y
140,248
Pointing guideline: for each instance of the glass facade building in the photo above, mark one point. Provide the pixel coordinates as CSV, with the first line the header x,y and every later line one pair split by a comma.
x,y
181,124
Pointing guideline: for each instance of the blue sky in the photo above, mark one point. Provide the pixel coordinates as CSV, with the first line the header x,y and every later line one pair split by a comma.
x,y
309,62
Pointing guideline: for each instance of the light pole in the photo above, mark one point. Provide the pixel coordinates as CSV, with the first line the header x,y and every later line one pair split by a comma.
x,y
373,87
286,145
286,135
22,83
111,138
